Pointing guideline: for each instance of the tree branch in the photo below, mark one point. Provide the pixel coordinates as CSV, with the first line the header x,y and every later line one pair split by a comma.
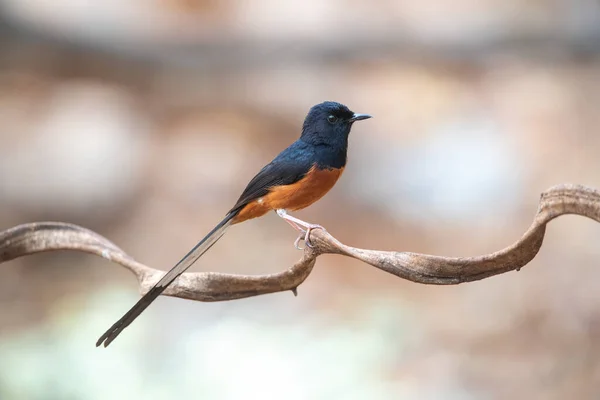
x,y
559,200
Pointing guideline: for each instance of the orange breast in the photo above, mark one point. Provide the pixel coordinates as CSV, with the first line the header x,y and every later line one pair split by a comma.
x,y
314,185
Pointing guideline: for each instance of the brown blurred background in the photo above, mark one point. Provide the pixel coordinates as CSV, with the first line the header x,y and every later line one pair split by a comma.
x,y
143,120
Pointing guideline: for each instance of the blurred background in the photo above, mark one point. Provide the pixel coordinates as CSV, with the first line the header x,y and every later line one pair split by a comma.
x,y
144,120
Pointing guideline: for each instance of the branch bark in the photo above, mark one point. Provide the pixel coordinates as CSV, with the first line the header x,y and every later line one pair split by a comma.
x,y
559,200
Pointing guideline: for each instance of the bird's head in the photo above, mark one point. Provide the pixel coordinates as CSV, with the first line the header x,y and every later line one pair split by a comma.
x,y
329,123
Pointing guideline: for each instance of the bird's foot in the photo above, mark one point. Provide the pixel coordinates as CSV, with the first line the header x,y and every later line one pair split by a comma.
x,y
302,226
305,235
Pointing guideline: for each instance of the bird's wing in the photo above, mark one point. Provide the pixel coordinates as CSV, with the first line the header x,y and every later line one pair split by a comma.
x,y
287,168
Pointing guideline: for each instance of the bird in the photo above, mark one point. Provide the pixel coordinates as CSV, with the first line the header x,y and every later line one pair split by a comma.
x,y
296,178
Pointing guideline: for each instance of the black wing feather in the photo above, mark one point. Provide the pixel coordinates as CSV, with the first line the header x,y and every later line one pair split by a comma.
x,y
287,168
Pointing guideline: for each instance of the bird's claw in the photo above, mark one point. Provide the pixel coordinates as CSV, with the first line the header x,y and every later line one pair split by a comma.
x,y
297,242
305,235
303,227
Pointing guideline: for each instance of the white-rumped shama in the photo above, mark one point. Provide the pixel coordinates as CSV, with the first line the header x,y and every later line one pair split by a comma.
x,y
296,178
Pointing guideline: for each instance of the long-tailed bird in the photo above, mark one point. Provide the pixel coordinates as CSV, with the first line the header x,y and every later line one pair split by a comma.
x,y
295,179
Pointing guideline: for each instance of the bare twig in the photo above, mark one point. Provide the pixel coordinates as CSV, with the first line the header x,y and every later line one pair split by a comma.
x,y
211,286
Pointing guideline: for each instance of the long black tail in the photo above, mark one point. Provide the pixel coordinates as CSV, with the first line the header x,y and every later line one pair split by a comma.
x,y
186,262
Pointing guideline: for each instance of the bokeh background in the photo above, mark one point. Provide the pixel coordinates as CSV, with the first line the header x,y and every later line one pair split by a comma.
x,y
143,120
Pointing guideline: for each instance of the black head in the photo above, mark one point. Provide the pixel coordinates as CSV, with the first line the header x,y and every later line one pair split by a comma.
x,y
329,123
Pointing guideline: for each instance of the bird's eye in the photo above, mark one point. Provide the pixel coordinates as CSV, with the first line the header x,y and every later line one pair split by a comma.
x,y
332,119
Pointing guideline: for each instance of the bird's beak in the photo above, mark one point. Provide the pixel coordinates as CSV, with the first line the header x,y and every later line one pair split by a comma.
x,y
358,117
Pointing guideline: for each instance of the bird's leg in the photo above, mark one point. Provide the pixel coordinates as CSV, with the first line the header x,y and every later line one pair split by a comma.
x,y
292,223
282,213
298,228
304,227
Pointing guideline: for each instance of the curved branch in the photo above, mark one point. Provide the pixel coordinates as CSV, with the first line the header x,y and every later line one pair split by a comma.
x,y
212,286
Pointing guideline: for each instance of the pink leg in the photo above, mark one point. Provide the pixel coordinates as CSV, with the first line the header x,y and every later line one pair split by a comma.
x,y
298,228
304,227
294,225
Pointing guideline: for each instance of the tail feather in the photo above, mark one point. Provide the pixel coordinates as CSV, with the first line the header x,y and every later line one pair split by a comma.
x,y
186,262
